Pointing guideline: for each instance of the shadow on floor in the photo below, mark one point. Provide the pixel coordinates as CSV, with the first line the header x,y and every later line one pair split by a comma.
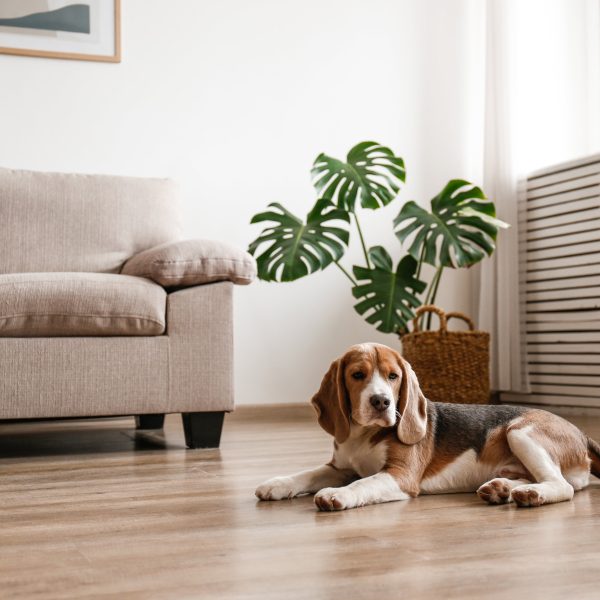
x,y
97,436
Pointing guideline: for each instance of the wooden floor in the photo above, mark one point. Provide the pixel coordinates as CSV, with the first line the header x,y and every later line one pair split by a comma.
x,y
95,510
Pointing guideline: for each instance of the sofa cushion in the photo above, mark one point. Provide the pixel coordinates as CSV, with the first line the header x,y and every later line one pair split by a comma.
x,y
79,304
72,222
193,262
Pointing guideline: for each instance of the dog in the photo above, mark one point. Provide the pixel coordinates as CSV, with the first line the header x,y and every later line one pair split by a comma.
x,y
391,443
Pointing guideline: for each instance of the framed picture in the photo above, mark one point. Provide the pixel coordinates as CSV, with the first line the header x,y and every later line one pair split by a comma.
x,y
85,30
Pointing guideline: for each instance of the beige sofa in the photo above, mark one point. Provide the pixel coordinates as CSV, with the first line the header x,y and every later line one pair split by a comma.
x,y
105,311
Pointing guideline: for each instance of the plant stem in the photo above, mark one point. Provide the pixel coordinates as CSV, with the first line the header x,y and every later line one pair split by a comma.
x,y
418,275
435,283
422,318
354,282
429,290
362,241
421,257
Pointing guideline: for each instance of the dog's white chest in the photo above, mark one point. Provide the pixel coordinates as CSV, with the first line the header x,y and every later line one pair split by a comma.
x,y
361,456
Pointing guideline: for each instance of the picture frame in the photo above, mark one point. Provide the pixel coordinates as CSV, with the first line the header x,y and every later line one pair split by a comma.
x,y
66,29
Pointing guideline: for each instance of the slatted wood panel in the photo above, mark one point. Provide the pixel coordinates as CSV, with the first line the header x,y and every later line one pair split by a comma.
x,y
559,217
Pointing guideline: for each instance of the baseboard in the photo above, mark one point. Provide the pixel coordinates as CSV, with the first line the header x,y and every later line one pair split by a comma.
x,y
557,409
267,412
303,410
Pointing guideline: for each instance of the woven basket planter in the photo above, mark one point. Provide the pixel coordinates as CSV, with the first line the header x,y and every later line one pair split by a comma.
x,y
452,366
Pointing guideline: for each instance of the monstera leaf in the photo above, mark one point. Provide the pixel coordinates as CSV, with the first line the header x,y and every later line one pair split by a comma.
x,y
371,175
458,232
388,297
298,249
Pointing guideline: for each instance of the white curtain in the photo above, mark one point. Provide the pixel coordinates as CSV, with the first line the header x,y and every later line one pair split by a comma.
x,y
542,106
499,285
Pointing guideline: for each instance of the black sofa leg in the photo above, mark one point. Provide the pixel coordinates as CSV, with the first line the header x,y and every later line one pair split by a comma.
x,y
202,429
149,421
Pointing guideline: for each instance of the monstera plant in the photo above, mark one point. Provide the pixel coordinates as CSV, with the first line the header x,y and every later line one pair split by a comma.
x,y
458,231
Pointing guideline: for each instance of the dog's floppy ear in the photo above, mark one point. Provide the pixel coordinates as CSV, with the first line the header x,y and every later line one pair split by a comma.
x,y
331,403
412,426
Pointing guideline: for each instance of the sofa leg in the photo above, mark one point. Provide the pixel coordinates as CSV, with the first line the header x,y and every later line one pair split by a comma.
x,y
202,429
149,421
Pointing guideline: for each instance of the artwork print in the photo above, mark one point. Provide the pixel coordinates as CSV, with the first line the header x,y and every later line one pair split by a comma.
x,y
86,30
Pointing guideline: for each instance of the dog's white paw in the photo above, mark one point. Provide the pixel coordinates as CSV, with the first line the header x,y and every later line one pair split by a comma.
x,y
335,499
278,488
528,495
496,491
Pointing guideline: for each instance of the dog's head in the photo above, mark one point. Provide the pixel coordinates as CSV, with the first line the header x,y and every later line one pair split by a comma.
x,y
371,385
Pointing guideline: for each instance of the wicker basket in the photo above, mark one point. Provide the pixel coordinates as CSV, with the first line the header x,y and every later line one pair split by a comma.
x,y
452,366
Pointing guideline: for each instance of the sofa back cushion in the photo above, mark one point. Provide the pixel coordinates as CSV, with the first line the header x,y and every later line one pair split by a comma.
x,y
73,222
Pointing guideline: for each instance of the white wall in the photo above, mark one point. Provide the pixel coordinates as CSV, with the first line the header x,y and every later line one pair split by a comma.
x,y
556,114
235,98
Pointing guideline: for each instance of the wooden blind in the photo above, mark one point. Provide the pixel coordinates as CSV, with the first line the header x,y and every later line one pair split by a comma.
x,y
559,216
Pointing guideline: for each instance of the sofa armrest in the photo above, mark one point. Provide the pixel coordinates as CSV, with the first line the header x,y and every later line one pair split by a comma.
x,y
200,335
192,262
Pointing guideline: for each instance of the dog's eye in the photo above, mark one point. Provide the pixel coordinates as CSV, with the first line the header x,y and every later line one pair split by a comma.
x,y
393,376
358,375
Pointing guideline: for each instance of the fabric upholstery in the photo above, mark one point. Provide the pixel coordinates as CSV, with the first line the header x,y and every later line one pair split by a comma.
x,y
80,304
188,370
200,332
63,241
193,262
72,222
76,377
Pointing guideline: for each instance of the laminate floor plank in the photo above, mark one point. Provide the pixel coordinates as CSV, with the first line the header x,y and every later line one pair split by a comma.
x,y
96,509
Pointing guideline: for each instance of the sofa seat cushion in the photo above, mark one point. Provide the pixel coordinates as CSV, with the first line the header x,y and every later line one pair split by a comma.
x,y
80,304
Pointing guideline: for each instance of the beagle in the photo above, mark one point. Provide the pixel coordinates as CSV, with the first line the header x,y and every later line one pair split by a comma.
x,y
391,443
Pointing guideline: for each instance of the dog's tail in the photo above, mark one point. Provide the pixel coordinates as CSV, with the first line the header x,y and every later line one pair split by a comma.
x,y
594,454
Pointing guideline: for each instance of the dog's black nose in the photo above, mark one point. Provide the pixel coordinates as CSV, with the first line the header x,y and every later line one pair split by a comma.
x,y
379,401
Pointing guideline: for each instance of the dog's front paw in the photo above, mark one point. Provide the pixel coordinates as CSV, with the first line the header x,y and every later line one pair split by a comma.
x,y
526,495
278,488
335,499
496,491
